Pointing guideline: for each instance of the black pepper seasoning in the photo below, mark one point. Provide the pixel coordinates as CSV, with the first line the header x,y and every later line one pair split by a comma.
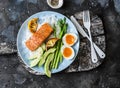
x,y
54,2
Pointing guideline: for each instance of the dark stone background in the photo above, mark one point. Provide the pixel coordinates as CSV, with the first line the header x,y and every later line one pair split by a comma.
x,y
12,75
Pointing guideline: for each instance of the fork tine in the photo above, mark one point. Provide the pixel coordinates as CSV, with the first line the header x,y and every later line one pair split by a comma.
x,y
84,16
88,16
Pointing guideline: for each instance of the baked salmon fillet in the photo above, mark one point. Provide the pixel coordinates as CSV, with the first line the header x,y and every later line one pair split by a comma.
x,y
39,37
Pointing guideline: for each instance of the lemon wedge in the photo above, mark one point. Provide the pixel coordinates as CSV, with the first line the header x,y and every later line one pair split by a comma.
x,y
33,24
51,42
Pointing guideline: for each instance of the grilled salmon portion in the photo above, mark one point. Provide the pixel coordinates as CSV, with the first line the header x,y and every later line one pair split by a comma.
x,y
39,37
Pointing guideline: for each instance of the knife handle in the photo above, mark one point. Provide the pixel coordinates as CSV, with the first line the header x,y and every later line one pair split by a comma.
x,y
99,51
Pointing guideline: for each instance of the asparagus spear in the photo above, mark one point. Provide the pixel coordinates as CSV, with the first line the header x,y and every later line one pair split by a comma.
x,y
54,28
58,56
63,31
61,55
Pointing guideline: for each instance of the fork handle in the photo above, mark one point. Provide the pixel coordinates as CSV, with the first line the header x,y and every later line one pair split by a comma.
x,y
93,54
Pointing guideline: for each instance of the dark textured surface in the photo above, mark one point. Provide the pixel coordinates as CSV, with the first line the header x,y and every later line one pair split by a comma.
x,y
12,75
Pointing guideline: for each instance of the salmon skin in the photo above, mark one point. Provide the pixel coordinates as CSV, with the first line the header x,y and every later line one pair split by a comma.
x,y
39,37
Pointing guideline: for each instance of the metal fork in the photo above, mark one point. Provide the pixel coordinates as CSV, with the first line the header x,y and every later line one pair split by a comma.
x,y
86,22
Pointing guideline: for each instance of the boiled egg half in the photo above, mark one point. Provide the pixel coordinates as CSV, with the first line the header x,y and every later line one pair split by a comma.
x,y
69,39
67,52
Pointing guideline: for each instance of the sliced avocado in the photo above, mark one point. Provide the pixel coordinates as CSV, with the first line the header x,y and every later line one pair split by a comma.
x,y
43,46
33,56
36,54
35,62
47,64
42,60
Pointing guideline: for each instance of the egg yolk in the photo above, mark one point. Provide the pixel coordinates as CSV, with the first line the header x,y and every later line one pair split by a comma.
x,y
70,39
67,52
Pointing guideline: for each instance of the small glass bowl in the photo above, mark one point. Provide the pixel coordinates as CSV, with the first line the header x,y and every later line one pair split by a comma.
x,y
60,4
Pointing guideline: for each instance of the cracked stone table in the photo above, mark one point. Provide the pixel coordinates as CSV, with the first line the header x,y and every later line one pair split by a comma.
x,y
12,74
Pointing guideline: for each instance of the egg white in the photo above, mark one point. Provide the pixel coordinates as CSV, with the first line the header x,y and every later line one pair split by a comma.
x,y
71,56
64,39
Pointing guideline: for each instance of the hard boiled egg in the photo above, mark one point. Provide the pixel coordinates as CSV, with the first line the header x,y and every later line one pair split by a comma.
x,y
67,52
69,39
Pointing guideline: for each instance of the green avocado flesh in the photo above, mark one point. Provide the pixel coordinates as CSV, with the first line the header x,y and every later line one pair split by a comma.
x,y
45,55
47,64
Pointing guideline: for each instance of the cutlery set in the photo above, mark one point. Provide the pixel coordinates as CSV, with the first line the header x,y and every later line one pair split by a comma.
x,y
94,48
